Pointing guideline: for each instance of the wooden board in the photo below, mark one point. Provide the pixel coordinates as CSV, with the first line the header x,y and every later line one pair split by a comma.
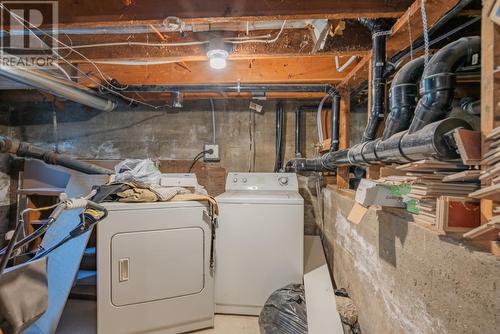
x,y
457,214
469,146
488,231
345,106
467,175
491,192
430,166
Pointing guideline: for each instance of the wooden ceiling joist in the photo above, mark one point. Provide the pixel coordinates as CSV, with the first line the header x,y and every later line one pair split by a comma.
x,y
318,69
292,42
400,37
89,12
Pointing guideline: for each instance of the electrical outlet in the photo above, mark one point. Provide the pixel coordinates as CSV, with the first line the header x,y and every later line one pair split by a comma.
x,y
215,155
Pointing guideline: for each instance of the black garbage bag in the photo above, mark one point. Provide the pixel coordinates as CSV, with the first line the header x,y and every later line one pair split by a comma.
x,y
285,312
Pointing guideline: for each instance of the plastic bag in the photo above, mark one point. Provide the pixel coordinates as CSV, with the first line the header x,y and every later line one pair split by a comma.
x,y
137,170
285,312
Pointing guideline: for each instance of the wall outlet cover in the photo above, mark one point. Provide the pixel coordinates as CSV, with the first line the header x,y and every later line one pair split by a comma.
x,y
215,156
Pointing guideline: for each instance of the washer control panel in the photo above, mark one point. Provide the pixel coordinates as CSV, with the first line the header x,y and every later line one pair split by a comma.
x,y
262,181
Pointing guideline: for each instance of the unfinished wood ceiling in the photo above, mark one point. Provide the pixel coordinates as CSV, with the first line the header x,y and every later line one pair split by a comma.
x,y
296,41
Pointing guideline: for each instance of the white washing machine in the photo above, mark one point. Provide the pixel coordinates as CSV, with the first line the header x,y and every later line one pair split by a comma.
x,y
259,243
153,270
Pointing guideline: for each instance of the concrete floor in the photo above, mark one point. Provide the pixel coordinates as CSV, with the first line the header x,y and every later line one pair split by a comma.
x,y
233,324
79,317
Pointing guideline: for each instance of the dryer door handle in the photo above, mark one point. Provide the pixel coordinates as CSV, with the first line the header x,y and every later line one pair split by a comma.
x,y
123,269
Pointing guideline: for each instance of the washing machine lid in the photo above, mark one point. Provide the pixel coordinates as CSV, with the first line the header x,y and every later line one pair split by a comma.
x,y
260,197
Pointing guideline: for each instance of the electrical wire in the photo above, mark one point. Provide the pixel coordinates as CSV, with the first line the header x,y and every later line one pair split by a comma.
x,y
213,120
129,43
269,41
72,48
318,118
198,157
93,63
131,100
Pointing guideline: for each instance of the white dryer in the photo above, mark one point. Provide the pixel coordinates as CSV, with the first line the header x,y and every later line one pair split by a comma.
x,y
153,270
259,244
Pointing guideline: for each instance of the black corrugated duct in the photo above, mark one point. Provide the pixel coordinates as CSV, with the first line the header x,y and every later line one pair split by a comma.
x,y
428,132
439,80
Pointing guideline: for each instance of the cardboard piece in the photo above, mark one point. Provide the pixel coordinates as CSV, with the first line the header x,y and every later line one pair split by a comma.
x,y
370,192
357,213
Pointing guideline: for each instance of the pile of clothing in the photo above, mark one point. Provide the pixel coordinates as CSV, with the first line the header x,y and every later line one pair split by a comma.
x,y
138,181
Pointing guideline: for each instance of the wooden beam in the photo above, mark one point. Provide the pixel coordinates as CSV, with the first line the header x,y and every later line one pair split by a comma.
x,y
90,12
345,106
34,96
319,69
358,75
489,36
400,37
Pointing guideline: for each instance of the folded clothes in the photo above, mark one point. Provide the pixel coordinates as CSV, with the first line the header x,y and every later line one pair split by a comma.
x,y
137,195
136,192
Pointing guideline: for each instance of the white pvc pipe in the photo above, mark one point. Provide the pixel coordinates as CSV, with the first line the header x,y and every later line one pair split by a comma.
x,y
347,63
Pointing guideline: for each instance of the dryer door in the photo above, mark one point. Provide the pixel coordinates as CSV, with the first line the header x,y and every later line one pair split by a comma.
x,y
154,265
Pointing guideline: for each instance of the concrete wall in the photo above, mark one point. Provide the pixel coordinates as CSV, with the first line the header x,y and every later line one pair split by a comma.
x,y
162,135
405,279
177,134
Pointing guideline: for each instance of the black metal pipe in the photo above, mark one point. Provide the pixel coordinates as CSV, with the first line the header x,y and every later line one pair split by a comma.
x,y
403,97
378,64
438,85
334,137
26,150
298,130
427,136
278,164
234,88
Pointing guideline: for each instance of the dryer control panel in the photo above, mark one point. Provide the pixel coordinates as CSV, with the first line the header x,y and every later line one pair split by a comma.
x,y
262,181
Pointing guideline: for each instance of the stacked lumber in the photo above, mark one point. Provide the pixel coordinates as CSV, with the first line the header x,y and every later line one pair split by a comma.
x,y
490,175
490,187
432,181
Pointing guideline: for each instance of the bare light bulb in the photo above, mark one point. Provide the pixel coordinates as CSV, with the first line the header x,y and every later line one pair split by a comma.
x,y
217,58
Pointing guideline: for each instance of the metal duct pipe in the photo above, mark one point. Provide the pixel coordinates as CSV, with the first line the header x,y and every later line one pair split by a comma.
x,y
334,137
62,88
403,97
26,150
437,87
378,63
